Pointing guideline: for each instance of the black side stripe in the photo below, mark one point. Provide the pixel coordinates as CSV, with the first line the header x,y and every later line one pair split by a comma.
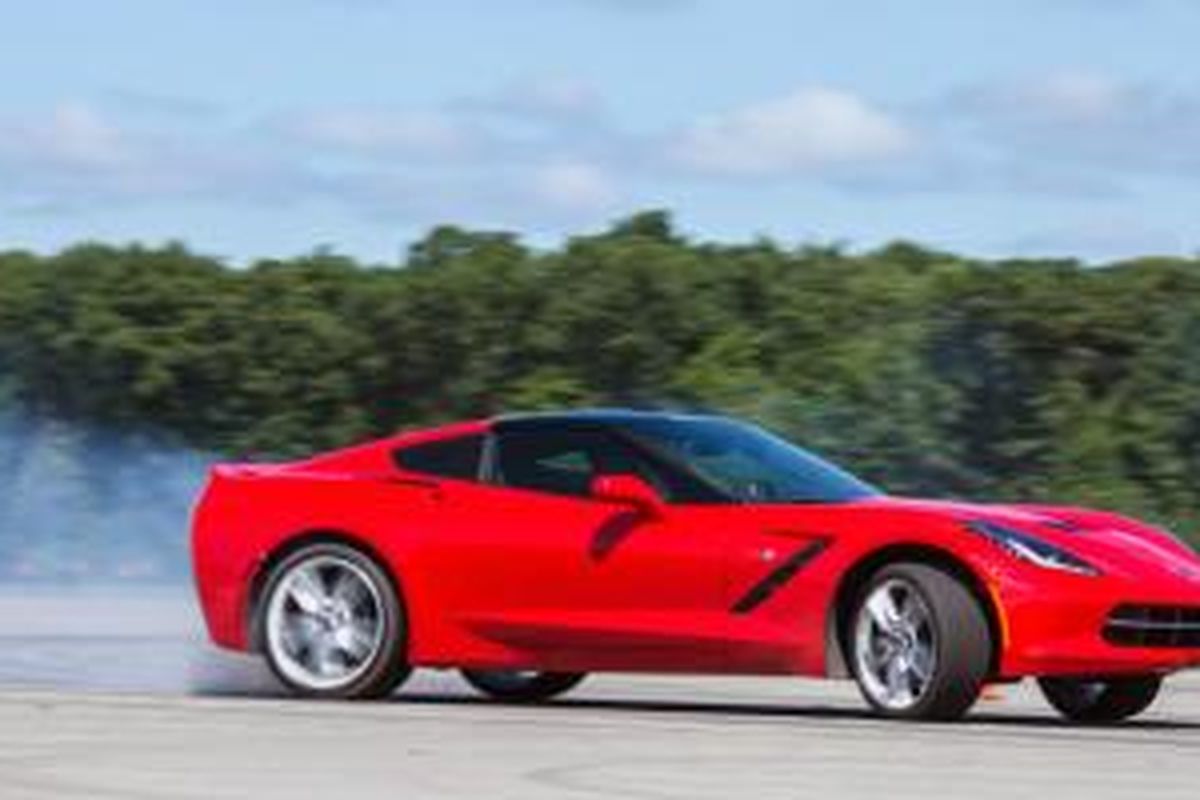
x,y
777,578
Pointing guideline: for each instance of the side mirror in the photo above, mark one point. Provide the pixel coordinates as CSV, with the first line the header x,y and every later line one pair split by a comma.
x,y
628,490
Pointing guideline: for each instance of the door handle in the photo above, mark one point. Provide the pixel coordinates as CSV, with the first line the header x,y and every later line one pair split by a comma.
x,y
434,487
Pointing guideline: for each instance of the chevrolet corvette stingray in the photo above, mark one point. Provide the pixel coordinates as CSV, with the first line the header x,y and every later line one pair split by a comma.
x,y
529,550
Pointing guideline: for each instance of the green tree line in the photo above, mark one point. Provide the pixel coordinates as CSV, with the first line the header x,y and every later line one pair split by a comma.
x,y
925,371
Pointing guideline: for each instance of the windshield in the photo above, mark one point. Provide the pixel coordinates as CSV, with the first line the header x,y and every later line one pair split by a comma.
x,y
746,462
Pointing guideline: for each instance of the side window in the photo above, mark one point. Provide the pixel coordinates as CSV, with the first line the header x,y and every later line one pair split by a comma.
x,y
446,458
561,462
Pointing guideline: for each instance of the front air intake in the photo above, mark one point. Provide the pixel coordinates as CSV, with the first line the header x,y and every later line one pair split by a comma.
x,y
1153,626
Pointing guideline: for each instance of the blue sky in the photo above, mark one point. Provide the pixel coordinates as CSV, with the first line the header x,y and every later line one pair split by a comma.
x,y
269,127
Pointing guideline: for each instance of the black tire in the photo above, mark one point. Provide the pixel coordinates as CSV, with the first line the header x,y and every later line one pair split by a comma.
x,y
516,686
1100,700
955,635
386,667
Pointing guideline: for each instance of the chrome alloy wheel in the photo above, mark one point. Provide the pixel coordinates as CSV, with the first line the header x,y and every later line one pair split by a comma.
x,y
895,646
324,623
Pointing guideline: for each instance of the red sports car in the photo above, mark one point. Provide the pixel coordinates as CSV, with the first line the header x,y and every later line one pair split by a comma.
x,y
529,550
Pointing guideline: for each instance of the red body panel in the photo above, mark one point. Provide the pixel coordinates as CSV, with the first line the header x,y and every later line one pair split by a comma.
x,y
500,577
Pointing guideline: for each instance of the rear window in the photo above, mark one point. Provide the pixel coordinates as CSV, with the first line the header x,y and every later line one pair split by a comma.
x,y
446,458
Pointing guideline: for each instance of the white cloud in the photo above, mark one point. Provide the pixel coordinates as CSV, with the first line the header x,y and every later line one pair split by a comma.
x,y
575,186
516,122
1076,96
378,132
1057,97
75,157
560,95
1086,120
550,98
407,163
548,149
809,129
73,135
78,135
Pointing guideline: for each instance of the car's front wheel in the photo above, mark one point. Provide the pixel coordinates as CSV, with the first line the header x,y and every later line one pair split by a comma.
x,y
522,686
920,644
332,625
1099,700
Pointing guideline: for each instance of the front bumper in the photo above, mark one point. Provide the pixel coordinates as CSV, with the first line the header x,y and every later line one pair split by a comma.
x,y
1078,625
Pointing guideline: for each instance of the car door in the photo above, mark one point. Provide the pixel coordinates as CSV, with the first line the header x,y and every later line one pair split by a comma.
x,y
540,573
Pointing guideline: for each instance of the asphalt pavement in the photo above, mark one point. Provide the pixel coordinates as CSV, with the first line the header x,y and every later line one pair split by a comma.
x,y
138,708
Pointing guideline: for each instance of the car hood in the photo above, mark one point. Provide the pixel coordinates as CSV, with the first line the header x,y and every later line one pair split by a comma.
x,y
1118,545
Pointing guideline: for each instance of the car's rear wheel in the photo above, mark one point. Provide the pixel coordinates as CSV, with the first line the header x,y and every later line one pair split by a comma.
x,y
1101,699
522,686
920,644
332,625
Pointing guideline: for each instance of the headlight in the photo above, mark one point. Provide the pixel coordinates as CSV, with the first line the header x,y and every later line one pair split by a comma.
x,y
1029,548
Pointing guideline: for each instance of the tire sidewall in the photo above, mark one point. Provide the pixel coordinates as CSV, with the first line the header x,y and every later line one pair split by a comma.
x,y
1122,697
946,658
502,685
391,651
